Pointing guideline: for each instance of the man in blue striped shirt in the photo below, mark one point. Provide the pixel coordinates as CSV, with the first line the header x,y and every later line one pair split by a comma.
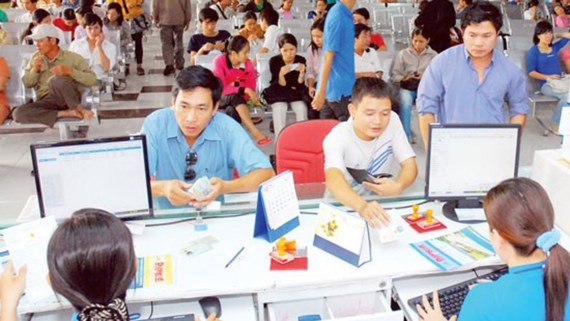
x,y
470,83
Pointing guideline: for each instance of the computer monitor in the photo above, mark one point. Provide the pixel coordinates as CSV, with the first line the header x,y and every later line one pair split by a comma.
x,y
464,161
105,173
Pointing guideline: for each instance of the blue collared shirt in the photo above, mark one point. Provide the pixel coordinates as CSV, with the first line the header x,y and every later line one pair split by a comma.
x,y
222,146
450,89
518,295
339,37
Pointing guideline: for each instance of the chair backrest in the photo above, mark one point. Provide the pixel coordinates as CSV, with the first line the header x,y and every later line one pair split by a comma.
x,y
401,26
299,149
206,61
519,58
15,30
17,57
295,23
263,70
14,13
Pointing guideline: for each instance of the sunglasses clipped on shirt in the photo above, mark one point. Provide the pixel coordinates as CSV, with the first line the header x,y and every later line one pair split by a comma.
x,y
191,160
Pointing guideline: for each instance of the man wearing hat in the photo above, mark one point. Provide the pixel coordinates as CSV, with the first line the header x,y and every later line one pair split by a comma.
x,y
58,78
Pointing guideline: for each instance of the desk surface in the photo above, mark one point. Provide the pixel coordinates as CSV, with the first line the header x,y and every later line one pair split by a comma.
x,y
204,274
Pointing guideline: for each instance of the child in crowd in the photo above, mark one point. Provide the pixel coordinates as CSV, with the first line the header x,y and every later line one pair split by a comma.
x,y
67,23
287,84
238,78
269,19
408,68
320,10
286,10
562,19
371,139
210,41
366,62
314,55
114,20
361,15
251,30
39,17
4,75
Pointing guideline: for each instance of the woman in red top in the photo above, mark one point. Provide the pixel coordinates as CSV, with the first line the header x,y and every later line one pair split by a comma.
x,y
68,22
238,77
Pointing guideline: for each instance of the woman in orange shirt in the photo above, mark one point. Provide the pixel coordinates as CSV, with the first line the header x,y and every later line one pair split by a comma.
x,y
4,75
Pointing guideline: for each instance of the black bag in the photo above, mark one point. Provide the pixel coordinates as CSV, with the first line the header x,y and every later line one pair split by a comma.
x,y
410,84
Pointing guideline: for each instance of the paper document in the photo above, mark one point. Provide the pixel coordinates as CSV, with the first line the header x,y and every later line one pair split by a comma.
x,y
27,244
469,214
453,250
237,198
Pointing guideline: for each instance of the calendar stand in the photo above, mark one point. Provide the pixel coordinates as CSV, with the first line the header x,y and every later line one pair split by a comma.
x,y
277,211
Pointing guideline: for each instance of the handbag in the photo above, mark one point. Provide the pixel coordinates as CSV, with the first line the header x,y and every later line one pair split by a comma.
x,y
560,86
138,24
410,84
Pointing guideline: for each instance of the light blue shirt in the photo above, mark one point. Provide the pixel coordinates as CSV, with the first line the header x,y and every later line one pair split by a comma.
x,y
339,37
450,89
518,295
221,147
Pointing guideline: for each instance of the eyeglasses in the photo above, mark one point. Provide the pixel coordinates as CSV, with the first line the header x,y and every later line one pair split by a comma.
x,y
191,160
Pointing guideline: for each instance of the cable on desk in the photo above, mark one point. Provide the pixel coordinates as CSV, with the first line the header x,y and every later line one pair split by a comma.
x,y
194,218
151,310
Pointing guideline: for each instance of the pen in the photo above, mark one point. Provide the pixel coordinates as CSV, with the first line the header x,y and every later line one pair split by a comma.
x,y
235,256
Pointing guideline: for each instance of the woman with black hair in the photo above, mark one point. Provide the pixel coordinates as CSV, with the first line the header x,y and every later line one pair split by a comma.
x,y
94,238
543,64
437,20
287,85
521,230
39,17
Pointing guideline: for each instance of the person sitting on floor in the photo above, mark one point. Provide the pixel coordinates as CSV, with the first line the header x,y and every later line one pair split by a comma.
x,y
58,77
238,77
191,140
371,139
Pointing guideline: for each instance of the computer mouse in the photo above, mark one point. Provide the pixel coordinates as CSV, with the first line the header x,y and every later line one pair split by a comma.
x,y
211,304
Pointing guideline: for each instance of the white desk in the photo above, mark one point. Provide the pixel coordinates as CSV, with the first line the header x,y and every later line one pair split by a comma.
x,y
327,276
554,175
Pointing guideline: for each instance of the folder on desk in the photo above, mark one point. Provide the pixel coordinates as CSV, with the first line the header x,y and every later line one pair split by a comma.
x,y
277,211
342,235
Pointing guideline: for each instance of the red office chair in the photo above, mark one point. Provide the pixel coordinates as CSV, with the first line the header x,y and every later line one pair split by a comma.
x,y
299,149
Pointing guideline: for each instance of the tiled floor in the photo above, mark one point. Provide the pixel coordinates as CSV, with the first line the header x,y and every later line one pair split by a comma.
x,y
124,115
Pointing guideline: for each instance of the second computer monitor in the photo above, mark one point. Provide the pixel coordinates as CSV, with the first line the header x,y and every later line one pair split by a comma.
x,y
466,161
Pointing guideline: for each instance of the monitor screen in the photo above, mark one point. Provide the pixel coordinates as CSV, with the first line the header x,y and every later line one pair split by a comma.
x,y
465,161
108,173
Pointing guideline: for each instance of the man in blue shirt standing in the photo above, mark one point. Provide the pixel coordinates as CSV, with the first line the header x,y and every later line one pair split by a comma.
x,y
470,83
337,70
191,139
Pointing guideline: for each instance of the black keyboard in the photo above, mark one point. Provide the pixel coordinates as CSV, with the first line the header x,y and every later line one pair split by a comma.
x,y
451,298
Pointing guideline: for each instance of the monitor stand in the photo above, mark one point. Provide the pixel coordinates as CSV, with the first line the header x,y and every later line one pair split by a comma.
x,y
449,210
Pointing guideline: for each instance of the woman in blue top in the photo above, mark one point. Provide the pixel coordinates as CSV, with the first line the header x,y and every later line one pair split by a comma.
x,y
543,63
91,261
521,223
